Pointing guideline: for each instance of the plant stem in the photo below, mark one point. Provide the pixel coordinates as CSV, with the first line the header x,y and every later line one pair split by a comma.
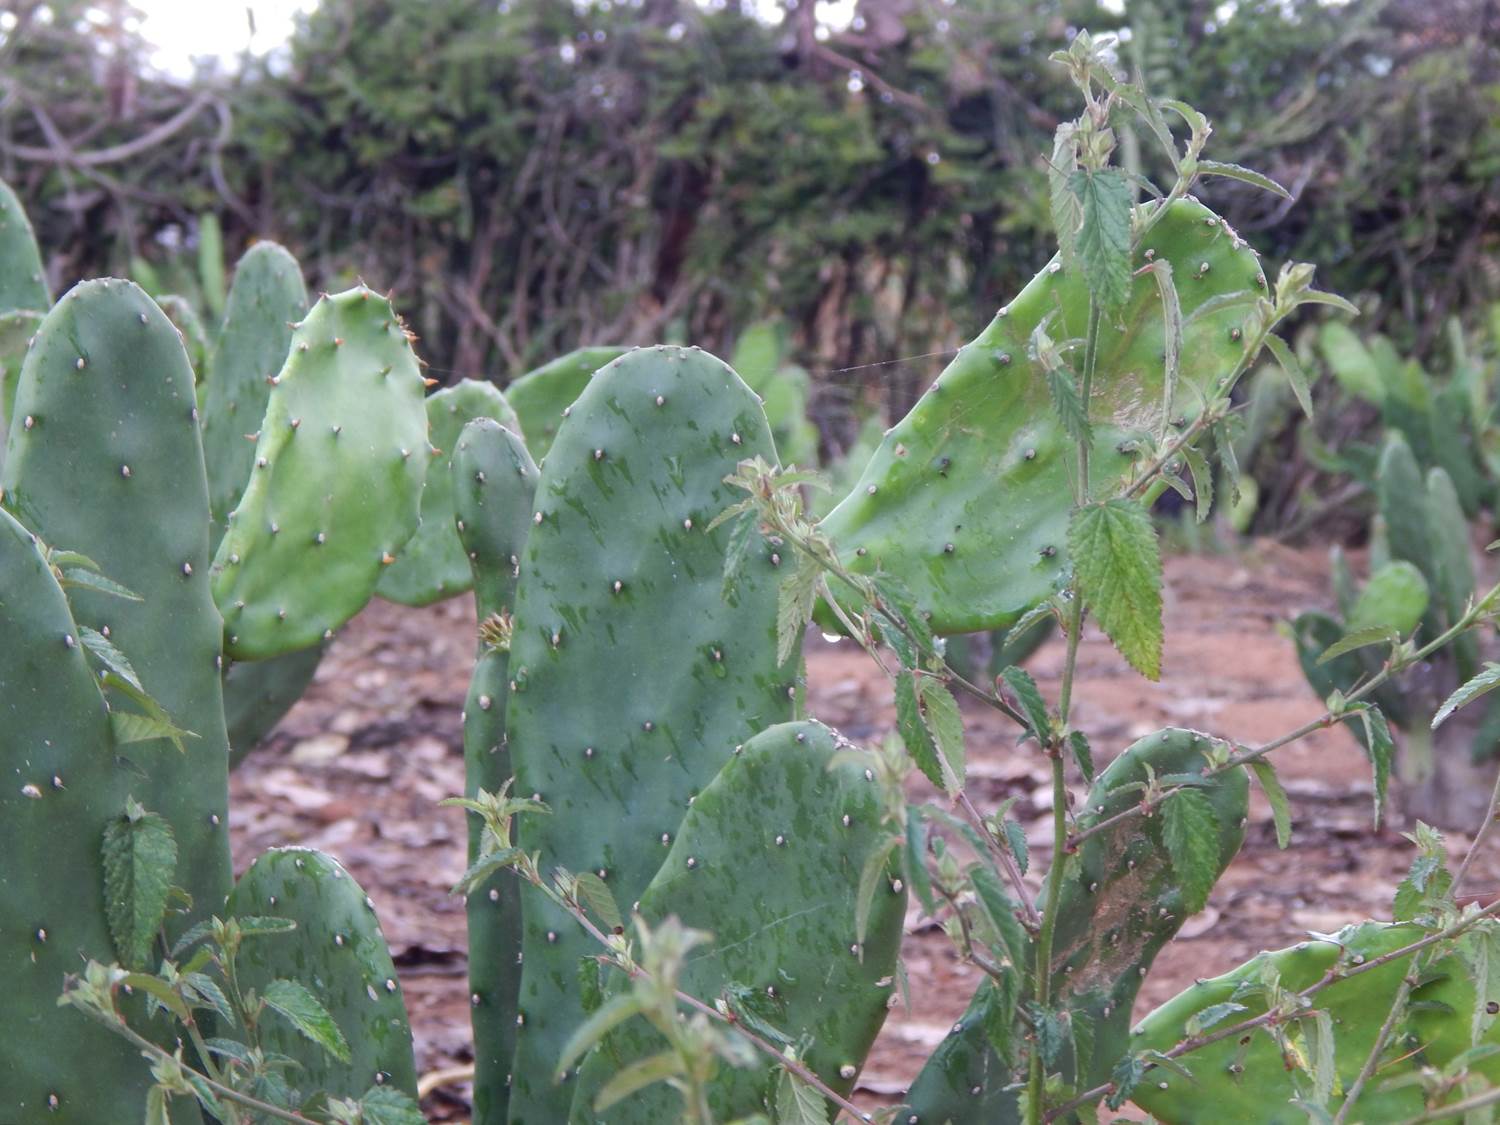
x,y
1372,1060
1003,859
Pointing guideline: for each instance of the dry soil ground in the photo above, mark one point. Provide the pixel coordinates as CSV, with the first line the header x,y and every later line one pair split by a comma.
x,y
357,769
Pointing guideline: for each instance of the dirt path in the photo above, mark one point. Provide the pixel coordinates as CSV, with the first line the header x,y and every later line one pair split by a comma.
x,y
358,766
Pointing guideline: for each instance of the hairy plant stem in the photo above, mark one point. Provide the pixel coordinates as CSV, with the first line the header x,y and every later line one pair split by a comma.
x,y
1331,977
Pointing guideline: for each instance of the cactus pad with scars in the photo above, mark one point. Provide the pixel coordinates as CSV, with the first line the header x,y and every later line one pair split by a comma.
x,y
634,674
777,890
23,283
967,499
58,790
1121,903
493,482
337,480
266,299
258,693
339,954
540,396
1238,1081
433,566
111,466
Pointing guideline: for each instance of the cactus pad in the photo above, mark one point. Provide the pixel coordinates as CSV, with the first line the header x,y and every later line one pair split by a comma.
x,y
337,482
540,396
493,483
23,284
967,499
339,954
777,889
257,693
432,566
634,676
266,299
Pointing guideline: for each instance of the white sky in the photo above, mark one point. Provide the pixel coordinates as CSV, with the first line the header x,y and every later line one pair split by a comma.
x,y
183,30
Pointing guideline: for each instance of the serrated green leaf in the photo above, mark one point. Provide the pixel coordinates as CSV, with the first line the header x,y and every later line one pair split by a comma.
x,y
1104,236
140,860
637,1076
104,650
1292,367
92,580
160,723
913,730
306,1013
1067,208
1001,912
1382,751
1078,742
872,878
756,1009
795,598
486,865
946,724
1228,461
1243,174
1200,1021
256,925
206,989
914,863
1191,833
1033,706
1485,682
797,1103
601,900
1118,567
386,1105
1281,808
1125,1077
1360,638
1015,835
738,543
1063,386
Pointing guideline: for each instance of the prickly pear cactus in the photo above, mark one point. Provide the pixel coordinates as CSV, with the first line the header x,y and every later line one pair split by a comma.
x,y
258,693
189,326
60,789
1240,1080
266,298
1121,903
1452,563
433,566
23,284
967,498
493,483
634,676
336,485
540,396
105,460
16,330
777,889
339,954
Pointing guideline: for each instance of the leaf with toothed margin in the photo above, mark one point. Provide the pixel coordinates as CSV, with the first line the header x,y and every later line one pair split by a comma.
x,y
1118,567
140,860
302,1009
1104,235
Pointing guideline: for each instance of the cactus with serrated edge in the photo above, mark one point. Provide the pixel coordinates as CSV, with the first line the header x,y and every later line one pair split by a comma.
x,y
1121,903
336,485
620,589
986,426
492,487
433,565
1245,1077
339,954
817,824
540,397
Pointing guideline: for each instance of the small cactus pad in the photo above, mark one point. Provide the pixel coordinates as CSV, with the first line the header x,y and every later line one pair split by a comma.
x,y
1121,903
337,953
189,326
23,284
58,790
634,676
777,889
336,485
433,566
540,396
266,299
105,460
257,693
1453,564
967,499
1235,1080
493,483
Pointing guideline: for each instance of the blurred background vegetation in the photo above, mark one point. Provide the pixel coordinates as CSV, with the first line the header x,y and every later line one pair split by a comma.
x,y
533,175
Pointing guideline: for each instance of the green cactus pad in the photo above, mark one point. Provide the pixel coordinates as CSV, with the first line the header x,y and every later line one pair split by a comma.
x,y
1121,903
540,396
337,953
189,326
23,282
432,566
777,889
1395,597
258,693
110,465
1314,633
337,482
266,299
17,327
1238,1081
967,499
1453,563
493,483
58,790
635,676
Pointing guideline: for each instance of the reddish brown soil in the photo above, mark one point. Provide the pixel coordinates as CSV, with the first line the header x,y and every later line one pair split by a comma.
x,y
357,769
